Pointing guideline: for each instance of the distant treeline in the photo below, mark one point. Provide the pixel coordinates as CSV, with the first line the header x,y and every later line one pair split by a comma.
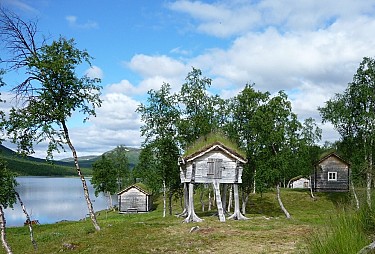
x,y
29,166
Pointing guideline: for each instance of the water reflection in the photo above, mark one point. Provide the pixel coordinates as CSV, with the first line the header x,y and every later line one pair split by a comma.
x,y
52,199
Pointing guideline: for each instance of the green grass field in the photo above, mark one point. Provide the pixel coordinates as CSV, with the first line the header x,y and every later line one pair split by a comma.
x,y
266,231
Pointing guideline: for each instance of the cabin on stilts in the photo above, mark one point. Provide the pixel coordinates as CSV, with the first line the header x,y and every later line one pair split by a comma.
x,y
214,163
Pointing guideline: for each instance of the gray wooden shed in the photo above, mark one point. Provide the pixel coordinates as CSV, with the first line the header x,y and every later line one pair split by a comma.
x,y
134,199
331,174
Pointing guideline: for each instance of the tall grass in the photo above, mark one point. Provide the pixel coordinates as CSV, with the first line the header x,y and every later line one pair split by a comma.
x,y
346,232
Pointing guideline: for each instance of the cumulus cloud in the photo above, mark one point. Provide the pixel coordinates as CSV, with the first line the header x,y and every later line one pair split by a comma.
x,y
94,72
20,5
229,18
151,66
154,71
73,21
281,61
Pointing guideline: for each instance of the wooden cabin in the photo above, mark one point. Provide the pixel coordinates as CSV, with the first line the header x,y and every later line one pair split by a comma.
x,y
300,183
134,199
331,174
215,163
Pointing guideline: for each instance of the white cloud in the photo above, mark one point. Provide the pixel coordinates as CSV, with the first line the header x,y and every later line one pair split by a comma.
x,y
227,18
117,112
94,72
219,19
277,61
20,5
73,21
151,66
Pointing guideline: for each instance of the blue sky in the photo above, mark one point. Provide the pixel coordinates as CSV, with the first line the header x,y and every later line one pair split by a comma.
x,y
309,48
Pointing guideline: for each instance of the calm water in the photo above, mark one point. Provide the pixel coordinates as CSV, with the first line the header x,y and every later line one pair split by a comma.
x,y
52,199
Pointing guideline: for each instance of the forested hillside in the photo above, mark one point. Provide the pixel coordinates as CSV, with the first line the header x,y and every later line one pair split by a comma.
x,y
30,166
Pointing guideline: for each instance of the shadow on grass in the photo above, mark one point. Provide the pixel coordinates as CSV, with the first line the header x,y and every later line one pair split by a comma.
x,y
339,199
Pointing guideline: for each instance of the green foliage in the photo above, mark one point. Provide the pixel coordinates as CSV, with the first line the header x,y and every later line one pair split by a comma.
x,y
196,107
160,116
104,176
8,183
120,162
146,170
52,93
352,113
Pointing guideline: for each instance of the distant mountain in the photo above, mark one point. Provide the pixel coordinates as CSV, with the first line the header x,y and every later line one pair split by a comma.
x,y
87,161
31,166
28,165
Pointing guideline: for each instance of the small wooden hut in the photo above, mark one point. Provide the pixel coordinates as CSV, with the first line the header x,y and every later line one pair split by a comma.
x,y
134,199
300,183
215,163
331,174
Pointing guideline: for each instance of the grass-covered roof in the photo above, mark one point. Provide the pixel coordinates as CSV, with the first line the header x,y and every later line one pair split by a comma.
x,y
139,186
207,141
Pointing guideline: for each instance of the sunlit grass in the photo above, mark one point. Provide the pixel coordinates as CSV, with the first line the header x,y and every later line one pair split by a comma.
x,y
266,231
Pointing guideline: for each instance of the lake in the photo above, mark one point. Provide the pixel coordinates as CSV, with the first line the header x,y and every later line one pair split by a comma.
x,y
53,199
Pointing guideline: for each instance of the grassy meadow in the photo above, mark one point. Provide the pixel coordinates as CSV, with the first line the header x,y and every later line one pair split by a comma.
x,y
266,231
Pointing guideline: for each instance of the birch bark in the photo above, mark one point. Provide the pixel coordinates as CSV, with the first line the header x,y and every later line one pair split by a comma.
x,y
355,195
3,232
84,185
164,199
27,219
281,203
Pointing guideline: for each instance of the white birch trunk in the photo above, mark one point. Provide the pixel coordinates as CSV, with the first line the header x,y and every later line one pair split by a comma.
x,y
245,199
3,232
367,249
254,186
27,219
237,214
192,217
281,203
164,199
84,185
110,200
311,190
355,195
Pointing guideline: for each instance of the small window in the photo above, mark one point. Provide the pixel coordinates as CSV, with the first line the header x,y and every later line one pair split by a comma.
x,y
332,176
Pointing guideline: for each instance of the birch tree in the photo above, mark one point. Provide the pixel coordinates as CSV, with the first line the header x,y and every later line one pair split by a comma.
x,y
50,92
160,115
197,108
352,113
246,128
7,198
279,137
104,178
